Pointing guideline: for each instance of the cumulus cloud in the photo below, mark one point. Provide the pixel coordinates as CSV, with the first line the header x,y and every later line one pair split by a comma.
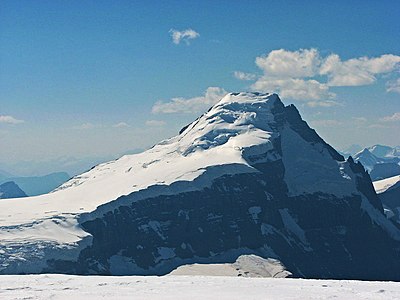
x,y
191,105
10,120
393,86
393,118
294,88
306,75
121,125
184,35
357,71
244,76
155,123
295,64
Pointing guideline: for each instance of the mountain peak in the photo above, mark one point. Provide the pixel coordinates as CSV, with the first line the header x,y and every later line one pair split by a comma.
x,y
249,97
247,174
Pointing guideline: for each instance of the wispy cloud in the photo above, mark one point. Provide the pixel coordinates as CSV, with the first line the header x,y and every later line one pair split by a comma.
x,y
244,76
393,118
393,86
155,123
306,75
323,103
360,121
86,126
10,120
121,125
184,35
326,123
190,105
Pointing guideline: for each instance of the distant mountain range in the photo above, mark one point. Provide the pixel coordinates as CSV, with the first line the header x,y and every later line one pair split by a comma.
x,y
380,161
37,185
68,164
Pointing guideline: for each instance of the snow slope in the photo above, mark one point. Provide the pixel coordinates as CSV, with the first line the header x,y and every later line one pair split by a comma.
x,y
59,287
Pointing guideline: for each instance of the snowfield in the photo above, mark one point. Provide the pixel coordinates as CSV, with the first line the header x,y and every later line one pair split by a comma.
x,y
188,287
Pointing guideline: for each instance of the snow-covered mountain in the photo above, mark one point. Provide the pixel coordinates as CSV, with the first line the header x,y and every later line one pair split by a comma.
x,y
11,190
380,161
247,177
385,151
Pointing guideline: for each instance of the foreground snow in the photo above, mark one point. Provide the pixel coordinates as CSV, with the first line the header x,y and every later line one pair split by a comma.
x,y
188,287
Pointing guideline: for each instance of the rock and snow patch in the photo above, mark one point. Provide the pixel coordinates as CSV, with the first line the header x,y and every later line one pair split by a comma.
x,y
383,185
245,265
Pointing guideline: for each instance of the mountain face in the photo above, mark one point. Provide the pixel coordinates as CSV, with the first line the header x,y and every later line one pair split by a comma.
x,y
247,177
10,190
38,185
380,161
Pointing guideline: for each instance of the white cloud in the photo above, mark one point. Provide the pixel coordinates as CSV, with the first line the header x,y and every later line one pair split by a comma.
x,y
306,75
10,120
121,125
357,71
184,35
191,105
155,123
244,76
393,86
293,64
393,118
294,88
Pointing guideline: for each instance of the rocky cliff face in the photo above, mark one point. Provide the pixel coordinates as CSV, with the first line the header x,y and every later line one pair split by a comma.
x,y
248,177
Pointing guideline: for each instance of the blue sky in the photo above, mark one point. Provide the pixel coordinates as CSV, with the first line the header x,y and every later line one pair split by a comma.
x,y
94,78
